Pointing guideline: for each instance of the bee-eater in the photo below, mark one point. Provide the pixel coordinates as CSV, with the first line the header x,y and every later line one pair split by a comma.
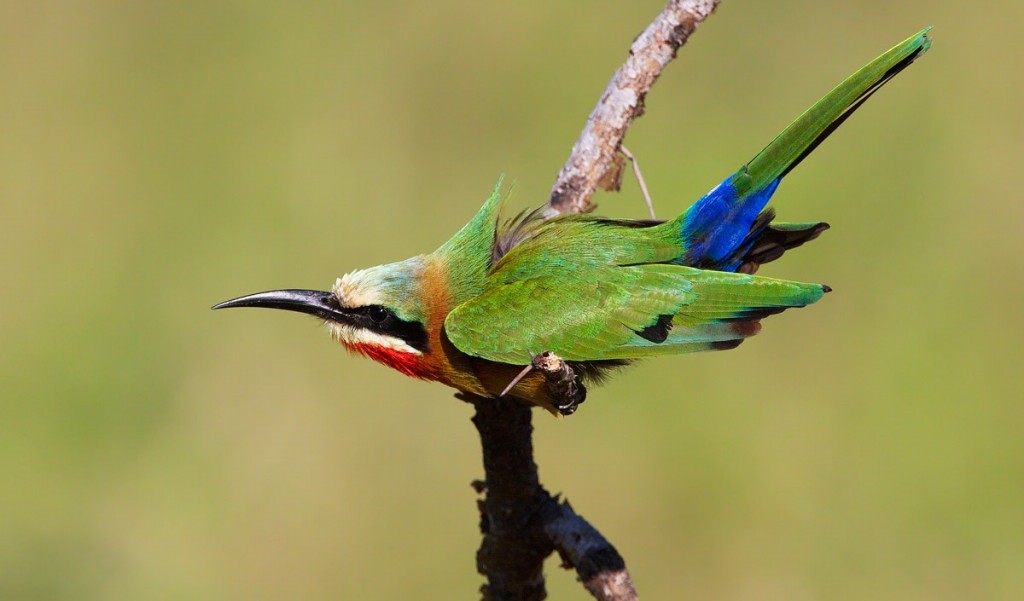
x,y
597,292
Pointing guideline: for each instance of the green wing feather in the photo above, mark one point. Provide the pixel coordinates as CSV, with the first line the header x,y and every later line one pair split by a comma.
x,y
599,304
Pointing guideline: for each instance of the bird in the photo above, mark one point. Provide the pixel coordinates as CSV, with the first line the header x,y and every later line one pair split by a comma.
x,y
484,311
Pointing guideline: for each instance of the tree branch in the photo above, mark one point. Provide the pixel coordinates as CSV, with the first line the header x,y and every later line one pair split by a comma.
x,y
593,156
599,566
514,546
521,522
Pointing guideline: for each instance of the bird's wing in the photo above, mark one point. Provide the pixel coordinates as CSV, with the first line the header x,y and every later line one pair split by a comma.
x,y
585,312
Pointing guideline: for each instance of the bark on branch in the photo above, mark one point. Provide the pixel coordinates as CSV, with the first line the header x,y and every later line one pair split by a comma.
x,y
600,567
521,522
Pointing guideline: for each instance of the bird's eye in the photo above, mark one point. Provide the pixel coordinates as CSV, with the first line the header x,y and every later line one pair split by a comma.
x,y
377,314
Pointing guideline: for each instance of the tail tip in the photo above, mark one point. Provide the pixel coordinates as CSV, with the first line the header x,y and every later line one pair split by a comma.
x,y
925,40
726,345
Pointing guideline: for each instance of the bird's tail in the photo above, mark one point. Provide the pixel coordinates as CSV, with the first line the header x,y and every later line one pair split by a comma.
x,y
719,229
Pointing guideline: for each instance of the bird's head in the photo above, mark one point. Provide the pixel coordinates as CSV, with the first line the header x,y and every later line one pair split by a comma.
x,y
378,311
392,313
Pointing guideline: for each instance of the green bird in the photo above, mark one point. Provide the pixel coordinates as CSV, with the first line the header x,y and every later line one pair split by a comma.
x,y
596,292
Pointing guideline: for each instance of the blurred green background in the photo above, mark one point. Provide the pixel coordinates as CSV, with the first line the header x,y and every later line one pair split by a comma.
x,y
156,158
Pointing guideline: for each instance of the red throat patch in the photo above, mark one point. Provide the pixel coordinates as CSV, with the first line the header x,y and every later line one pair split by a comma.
x,y
409,364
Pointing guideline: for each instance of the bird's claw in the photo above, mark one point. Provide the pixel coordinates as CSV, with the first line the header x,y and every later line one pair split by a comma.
x,y
563,383
561,380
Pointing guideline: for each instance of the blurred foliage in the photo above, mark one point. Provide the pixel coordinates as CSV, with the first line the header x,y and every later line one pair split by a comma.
x,y
158,157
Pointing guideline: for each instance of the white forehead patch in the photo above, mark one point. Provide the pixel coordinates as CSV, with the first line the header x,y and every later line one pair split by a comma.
x,y
350,335
356,289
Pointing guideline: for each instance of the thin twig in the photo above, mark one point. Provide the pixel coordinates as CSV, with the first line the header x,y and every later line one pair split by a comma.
x,y
517,379
639,179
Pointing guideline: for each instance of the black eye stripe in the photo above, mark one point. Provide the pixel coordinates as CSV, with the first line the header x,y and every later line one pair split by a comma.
x,y
382,320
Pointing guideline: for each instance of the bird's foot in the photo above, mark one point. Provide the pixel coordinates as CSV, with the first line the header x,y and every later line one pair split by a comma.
x,y
563,383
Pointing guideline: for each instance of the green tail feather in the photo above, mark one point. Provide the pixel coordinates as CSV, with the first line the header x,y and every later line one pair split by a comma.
x,y
802,136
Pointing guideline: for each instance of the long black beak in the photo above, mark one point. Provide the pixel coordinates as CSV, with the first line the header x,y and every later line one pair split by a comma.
x,y
312,302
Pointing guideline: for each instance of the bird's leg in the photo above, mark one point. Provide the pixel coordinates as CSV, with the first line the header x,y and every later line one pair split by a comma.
x,y
639,178
563,383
